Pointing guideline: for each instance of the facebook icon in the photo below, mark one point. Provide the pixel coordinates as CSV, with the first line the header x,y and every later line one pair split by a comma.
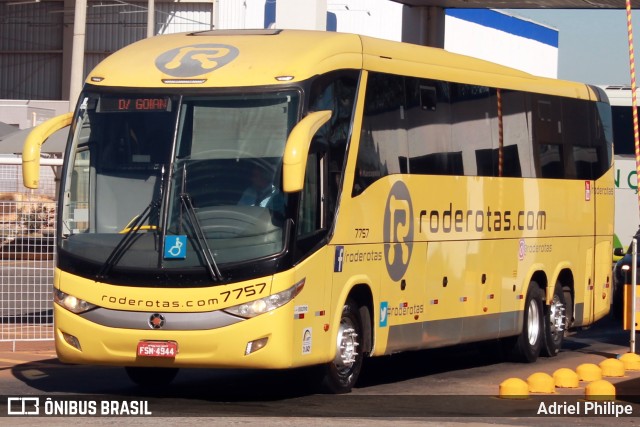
x,y
339,259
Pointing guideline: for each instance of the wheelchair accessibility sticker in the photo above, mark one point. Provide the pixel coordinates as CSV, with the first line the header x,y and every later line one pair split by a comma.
x,y
175,247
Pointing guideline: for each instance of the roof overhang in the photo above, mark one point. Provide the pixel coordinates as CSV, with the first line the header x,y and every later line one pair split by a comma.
x,y
523,4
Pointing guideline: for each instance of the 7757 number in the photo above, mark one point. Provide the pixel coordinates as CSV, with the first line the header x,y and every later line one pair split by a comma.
x,y
362,233
247,291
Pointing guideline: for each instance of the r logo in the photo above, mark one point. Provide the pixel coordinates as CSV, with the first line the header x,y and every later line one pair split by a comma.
x,y
398,230
195,60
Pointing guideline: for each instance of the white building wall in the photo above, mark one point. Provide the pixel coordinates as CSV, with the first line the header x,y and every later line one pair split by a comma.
x,y
481,33
230,14
503,39
375,18
301,14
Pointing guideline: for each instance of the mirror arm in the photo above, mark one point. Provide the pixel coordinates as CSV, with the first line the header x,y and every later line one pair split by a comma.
x,y
296,150
33,144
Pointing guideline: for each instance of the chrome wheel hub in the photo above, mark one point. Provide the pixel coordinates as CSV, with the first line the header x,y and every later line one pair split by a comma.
x,y
533,323
347,345
557,317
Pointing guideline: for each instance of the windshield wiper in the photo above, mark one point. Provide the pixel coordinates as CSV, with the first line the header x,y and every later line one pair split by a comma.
x,y
212,266
127,240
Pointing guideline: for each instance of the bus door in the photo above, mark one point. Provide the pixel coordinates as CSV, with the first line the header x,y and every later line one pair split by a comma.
x,y
312,312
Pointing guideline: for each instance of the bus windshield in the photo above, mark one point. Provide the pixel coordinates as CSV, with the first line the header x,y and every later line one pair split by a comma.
x,y
170,182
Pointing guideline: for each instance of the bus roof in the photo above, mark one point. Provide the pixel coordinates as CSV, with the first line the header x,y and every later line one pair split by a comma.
x,y
231,58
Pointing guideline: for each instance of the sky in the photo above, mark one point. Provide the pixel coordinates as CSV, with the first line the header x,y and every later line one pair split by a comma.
x,y
593,44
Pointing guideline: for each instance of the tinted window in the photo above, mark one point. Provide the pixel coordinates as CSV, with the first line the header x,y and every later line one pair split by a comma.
x,y
423,126
383,140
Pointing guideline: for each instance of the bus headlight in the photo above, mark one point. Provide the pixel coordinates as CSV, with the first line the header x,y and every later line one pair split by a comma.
x,y
71,303
263,305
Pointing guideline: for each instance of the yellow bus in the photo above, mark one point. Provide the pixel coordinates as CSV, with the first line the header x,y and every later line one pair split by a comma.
x,y
279,199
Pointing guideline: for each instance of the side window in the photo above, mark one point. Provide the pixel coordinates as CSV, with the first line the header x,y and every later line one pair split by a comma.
x,y
603,134
383,141
309,214
333,91
585,136
429,129
581,154
547,136
474,131
569,138
515,114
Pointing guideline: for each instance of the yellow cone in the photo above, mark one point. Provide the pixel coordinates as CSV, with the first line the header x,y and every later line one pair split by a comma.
x,y
600,390
541,383
566,378
514,388
631,361
589,372
612,368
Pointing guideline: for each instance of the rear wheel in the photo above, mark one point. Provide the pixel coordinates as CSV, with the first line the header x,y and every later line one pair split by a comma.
x,y
151,377
555,322
529,343
342,373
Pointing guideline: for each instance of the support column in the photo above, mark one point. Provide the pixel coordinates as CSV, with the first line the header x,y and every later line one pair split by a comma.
x,y
423,25
67,44
151,18
77,55
301,14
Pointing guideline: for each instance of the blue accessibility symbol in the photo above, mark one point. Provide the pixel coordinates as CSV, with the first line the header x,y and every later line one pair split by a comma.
x,y
175,247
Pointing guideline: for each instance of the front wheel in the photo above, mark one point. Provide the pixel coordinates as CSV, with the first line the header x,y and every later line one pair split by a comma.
x,y
342,373
529,343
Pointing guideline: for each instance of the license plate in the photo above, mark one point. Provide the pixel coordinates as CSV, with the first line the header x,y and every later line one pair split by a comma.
x,y
157,349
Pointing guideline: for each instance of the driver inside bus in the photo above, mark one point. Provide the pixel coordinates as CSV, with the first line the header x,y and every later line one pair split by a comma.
x,y
261,191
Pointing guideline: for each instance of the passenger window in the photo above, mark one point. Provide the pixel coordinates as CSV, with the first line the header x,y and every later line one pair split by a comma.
x,y
383,139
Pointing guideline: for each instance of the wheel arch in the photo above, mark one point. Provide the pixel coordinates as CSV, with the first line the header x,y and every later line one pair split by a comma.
x,y
359,289
566,280
362,295
540,277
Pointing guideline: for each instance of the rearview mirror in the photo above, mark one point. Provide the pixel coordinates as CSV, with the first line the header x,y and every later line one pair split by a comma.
x,y
32,145
296,150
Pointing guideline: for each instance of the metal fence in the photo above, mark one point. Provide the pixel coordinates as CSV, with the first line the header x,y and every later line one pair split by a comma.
x,y
27,253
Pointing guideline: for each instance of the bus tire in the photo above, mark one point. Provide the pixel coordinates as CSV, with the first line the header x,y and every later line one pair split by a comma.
x,y
342,373
151,377
529,343
555,322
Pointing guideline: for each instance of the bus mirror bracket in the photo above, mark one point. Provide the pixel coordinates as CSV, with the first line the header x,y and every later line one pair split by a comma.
x,y
296,151
33,144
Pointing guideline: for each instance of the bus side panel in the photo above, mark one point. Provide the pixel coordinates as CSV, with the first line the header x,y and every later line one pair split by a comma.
x,y
602,295
406,306
462,292
313,311
604,229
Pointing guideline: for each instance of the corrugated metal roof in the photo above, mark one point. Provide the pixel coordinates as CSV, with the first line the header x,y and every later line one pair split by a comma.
x,y
30,51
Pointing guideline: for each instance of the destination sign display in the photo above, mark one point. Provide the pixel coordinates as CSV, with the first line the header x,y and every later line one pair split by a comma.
x,y
134,104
